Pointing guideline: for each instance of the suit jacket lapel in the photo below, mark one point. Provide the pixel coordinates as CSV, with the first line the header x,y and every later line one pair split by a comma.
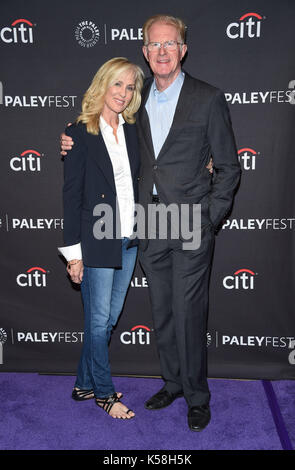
x,y
183,108
143,120
182,111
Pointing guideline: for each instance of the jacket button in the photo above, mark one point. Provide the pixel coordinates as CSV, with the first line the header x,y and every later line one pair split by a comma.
x,y
102,195
155,167
138,179
102,221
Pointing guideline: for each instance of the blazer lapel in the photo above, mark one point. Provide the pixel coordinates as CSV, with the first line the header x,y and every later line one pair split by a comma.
x,y
101,156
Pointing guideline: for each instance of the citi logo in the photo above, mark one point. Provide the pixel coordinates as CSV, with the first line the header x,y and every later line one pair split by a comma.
x,y
249,26
247,158
242,279
20,31
33,277
139,334
29,160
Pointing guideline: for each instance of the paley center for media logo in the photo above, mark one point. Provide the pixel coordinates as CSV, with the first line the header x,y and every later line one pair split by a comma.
x,y
291,356
36,223
19,32
3,339
48,336
258,341
88,34
36,101
249,26
126,34
139,282
33,277
263,97
242,279
260,224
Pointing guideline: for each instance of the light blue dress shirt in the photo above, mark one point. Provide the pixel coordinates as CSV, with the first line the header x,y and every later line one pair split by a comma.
x,y
160,107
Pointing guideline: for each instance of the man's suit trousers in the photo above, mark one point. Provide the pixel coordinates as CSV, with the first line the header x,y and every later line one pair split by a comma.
x,y
178,284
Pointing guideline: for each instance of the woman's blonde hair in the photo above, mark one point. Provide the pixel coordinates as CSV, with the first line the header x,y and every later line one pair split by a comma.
x,y
93,100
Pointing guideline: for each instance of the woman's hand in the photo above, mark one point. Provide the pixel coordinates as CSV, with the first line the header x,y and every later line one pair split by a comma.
x,y
75,270
210,166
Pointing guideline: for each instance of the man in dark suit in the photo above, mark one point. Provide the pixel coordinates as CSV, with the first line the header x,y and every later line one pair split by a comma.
x,y
182,123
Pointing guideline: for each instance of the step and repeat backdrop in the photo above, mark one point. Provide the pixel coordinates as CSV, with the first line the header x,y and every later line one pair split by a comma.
x,y
49,53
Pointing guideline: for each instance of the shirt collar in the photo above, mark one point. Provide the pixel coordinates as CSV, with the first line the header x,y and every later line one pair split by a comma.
x,y
104,125
171,91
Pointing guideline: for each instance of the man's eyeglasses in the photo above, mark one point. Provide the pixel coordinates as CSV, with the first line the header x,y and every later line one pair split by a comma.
x,y
168,45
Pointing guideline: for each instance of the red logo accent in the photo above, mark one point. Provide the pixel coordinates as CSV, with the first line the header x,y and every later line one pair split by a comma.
x,y
21,20
250,14
140,326
30,151
247,149
244,271
36,268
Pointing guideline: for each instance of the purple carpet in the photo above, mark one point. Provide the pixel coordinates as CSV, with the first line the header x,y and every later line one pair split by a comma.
x,y
285,393
37,412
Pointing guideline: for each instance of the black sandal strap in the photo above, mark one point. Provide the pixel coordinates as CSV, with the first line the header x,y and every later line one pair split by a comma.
x,y
82,394
108,402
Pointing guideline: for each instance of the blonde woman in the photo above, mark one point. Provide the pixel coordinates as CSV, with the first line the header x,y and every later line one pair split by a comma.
x,y
102,167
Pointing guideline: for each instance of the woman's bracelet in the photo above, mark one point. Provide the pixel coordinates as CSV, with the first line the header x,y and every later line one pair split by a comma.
x,y
72,264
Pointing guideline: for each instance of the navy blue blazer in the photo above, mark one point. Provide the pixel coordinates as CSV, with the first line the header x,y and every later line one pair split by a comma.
x,y
88,181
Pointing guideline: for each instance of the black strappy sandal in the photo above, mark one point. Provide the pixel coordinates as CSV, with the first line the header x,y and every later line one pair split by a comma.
x,y
82,395
107,403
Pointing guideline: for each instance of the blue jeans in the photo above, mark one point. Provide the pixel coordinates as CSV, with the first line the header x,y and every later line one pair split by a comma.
x,y
103,292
